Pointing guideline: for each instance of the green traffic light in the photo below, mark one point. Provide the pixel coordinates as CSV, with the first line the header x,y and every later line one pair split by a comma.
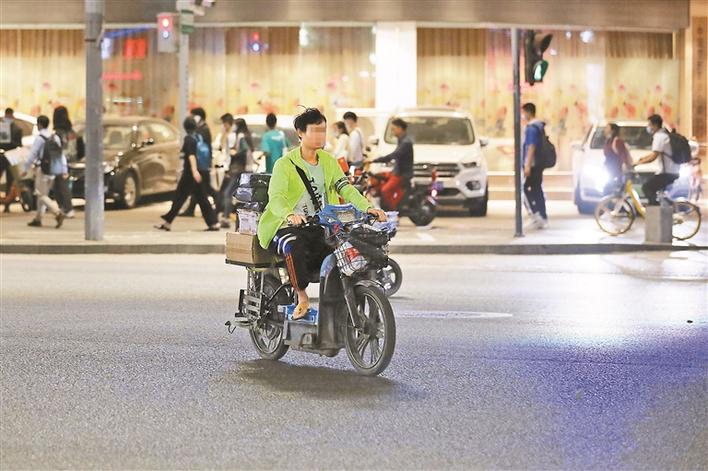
x,y
539,70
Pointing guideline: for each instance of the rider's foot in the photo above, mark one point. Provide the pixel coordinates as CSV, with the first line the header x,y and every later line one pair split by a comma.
x,y
301,310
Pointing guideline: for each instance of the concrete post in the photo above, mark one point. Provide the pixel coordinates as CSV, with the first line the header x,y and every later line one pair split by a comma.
x,y
659,225
93,186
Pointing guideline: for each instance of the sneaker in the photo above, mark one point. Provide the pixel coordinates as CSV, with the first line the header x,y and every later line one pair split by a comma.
x,y
534,221
70,215
214,228
35,223
225,224
543,224
163,227
60,220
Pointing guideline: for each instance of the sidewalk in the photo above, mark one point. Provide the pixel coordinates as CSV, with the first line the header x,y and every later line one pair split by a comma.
x,y
131,231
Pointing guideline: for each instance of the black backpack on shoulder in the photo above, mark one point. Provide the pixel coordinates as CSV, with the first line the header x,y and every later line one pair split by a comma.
x,y
680,148
546,153
51,152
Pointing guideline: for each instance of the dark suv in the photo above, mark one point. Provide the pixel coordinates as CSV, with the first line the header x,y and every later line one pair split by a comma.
x,y
140,157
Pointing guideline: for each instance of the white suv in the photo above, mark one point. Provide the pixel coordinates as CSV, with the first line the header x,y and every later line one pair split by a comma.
x,y
444,139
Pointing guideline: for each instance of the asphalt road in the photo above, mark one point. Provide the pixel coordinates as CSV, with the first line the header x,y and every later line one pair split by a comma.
x,y
564,362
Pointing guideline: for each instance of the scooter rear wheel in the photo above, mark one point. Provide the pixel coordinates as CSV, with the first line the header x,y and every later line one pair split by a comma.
x,y
371,347
268,338
390,277
421,213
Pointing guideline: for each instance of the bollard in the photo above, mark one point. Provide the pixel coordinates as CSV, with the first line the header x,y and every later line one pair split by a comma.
x,y
658,225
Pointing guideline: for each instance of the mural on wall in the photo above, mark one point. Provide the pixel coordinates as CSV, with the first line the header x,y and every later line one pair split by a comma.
x,y
592,76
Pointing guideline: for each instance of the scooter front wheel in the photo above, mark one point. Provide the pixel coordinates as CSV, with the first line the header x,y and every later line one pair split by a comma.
x,y
371,346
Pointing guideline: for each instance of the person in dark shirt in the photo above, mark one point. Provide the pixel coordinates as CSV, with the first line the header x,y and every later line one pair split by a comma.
x,y
190,183
533,172
199,116
400,179
10,139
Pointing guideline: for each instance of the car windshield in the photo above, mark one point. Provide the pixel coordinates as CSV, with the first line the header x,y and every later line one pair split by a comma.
x,y
436,131
115,136
257,131
636,137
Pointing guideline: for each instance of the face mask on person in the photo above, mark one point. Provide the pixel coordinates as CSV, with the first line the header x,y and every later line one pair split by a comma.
x,y
650,130
197,119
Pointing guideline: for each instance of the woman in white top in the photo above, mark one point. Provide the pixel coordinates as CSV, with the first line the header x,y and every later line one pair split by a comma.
x,y
341,149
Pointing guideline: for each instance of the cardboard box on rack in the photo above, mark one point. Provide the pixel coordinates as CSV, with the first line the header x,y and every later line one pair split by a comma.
x,y
244,249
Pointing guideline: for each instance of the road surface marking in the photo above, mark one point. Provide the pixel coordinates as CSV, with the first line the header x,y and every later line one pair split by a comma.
x,y
453,315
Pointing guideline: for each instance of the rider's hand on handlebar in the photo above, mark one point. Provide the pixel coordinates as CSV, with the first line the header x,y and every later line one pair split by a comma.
x,y
297,220
380,215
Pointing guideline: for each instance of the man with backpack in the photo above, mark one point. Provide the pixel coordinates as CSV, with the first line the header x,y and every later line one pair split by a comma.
x,y
203,132
48,160
538,154
190,183
672,148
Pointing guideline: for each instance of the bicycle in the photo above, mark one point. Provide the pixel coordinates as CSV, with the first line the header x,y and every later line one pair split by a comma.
x,y
616,213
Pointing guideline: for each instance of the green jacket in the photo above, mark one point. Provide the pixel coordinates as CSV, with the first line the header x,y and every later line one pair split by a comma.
x,y
286,188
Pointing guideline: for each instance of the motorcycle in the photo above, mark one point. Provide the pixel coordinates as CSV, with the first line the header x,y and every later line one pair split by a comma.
x,y
353,313
419,201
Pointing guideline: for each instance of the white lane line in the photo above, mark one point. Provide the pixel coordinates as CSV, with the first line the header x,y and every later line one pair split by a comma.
x,y
453,315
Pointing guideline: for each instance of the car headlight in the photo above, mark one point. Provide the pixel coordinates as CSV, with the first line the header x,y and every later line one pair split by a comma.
x,y
472,164
598,176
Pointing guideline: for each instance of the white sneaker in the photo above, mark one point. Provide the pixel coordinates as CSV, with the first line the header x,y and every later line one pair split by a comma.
x,y
535,222
70,215
543,224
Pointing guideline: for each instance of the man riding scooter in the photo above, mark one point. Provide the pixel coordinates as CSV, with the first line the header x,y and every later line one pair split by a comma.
x,y
304,181
399,181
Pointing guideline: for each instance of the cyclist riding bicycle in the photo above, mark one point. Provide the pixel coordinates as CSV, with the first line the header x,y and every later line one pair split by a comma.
x,y
660,148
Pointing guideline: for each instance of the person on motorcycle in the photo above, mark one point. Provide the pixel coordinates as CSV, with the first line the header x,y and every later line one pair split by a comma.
x,y
303,181
400,179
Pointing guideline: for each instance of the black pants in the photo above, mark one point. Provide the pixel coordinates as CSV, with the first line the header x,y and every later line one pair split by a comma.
x,y
304,249
656,184
62,193
5,168
533,189
187,187
210,191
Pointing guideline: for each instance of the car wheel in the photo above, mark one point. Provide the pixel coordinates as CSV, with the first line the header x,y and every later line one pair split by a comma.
x,y
584,207
129,192
478,207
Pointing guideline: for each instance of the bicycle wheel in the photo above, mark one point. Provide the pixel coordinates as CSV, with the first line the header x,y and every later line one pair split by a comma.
x,y
686,220
614,215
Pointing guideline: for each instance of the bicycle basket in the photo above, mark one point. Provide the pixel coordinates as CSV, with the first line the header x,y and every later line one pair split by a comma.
x,y
349,259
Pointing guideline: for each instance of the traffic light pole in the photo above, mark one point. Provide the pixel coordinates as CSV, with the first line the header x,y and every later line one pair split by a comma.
x,y
515,36
93,190
183,73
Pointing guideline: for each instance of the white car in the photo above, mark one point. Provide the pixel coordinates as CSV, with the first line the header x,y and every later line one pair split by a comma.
x,y
590,176
28,124
444,140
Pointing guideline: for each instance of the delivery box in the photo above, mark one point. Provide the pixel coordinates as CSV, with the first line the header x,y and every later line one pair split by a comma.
x,y
244,249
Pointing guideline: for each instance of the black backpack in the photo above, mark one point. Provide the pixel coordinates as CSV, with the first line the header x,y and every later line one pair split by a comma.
x,y
545,156
680,149
51,152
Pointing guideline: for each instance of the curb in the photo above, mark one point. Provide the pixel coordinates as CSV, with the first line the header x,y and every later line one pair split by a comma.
x,y
511,249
